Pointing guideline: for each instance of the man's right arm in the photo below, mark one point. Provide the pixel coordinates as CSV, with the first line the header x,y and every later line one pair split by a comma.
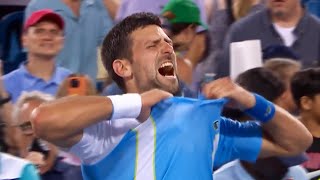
x,y
62,121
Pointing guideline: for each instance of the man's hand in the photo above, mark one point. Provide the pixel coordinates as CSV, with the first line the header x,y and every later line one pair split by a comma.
x,y
149,99
37,159
225,87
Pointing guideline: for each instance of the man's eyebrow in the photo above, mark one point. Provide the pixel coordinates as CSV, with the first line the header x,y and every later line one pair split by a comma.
x,y
168,40
155,41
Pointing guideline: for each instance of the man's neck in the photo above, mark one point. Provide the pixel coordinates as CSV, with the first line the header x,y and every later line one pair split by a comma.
x,y
288,20
41,67
311,123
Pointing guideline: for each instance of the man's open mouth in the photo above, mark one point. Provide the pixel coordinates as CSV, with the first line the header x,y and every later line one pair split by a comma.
x,y
166,69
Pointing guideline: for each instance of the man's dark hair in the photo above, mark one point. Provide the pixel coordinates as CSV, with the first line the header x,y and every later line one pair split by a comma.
x,y
118,43
305,83
262,81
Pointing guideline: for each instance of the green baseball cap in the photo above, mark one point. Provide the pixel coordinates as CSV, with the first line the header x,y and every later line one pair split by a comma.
x,y
182,11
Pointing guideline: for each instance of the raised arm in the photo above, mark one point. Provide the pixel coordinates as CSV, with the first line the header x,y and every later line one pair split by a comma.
x,y
289,136
62,121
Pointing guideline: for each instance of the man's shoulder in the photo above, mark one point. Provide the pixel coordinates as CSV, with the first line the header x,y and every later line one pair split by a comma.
x,y
12,76
61,74
314,21
63,71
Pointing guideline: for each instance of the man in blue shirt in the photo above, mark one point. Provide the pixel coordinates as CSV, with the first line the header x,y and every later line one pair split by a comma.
x,y
43,38
87,22
117,137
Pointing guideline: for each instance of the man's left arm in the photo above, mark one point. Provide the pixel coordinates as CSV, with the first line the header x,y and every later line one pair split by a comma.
x,y
288,135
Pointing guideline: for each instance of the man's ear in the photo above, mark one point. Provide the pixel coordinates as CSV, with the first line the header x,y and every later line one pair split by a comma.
x,y
306,103
24,40
122,68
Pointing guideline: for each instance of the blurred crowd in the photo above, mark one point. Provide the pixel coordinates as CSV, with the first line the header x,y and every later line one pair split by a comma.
x,y
52,48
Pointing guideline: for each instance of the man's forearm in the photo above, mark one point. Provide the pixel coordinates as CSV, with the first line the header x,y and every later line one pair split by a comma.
x,y
63,121
68,116
288,132
288,135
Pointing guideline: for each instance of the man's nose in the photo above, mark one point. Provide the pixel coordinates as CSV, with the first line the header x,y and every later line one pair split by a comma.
x,y
167,48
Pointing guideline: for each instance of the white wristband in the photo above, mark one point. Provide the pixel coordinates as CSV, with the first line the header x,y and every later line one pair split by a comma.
x,y
125,106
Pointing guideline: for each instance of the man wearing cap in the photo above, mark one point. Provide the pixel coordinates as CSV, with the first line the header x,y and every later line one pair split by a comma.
x,y
87,22
43,38
182,17
43,35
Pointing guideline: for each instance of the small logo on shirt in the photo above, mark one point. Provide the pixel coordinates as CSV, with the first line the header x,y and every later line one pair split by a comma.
x,y
216,125
268,111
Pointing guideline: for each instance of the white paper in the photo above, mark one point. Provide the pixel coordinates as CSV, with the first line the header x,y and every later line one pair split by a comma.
x,y
244,55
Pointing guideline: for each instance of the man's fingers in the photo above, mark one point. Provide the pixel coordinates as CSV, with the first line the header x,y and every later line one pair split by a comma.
x,y
219,88
149,99
154,96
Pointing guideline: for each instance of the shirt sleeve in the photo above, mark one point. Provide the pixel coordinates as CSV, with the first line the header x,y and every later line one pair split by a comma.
x,y
29,172
297,172
100,139
237,141
93,144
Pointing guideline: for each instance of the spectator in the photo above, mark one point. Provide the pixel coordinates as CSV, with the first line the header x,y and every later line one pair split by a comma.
x,y
284,69
224,13
86,24
182,18
305,87
284,63
41,153
140,57
43,38
13,167
282,22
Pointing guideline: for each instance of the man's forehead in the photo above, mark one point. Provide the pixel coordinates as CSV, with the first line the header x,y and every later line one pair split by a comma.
x,y
148,33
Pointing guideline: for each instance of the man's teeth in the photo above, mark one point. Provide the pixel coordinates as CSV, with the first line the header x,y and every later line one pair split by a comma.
x,y
166,64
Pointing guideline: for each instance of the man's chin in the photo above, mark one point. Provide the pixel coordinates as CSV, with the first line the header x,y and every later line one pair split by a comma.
x,y
172,88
